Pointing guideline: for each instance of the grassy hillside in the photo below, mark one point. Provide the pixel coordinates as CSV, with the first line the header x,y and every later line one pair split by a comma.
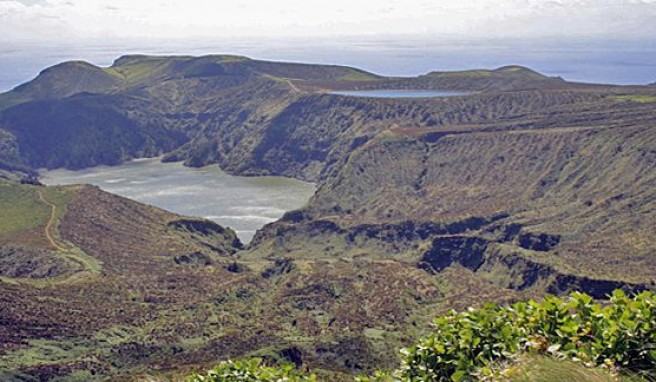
x,y
76,265
97,286
31,247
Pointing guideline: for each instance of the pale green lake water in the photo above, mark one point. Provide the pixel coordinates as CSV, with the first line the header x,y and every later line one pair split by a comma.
x,y
244,204
401,93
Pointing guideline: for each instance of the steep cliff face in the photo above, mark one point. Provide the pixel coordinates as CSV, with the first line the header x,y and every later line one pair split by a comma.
x,y
243,113
315,133
509,268
481,170
579,198
87,130
11,163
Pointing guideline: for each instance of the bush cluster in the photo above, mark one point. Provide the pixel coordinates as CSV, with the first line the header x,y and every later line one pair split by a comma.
x,y
619,335
252,370
465,346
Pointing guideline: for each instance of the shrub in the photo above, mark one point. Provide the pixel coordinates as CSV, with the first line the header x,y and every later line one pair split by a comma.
x,y
465,346
253,370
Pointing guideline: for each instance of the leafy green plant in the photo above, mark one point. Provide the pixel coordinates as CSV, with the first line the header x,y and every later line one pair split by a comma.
x,y
465,346
253,370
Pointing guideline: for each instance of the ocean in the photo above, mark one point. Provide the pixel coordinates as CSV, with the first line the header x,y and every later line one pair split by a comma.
x,y
598,61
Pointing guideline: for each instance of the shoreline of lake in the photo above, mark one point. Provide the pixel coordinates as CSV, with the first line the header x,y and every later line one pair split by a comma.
x,y
244,204
401,93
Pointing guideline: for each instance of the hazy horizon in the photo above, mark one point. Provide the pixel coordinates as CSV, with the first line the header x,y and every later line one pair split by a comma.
x,y
608,41
586,60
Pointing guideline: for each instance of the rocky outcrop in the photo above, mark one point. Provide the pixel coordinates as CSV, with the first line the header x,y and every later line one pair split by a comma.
x,y
599,289
33,263
538,242
513,270
473,243
194,258
469,252
280,267
210,234
203,227
403,231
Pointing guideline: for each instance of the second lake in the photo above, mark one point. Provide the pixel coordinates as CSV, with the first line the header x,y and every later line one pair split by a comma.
x,y
400,93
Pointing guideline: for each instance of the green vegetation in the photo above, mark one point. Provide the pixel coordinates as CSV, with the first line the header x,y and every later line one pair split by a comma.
x,y
469,73
252,370
561,335
30,239
640,98
21,209
135,68
8,100
467,345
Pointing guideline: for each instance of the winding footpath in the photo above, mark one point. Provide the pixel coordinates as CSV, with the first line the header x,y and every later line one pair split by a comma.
x,y
293,86
88,266
51,222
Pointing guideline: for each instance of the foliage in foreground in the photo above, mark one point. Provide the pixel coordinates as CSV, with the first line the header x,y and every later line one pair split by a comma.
x,y
618,336
253,370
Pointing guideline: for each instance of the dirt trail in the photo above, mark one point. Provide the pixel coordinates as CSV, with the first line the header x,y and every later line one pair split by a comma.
x,y
88,266
293,86
53,216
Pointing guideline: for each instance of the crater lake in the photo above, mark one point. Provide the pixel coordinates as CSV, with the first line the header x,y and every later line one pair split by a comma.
x,y
244,204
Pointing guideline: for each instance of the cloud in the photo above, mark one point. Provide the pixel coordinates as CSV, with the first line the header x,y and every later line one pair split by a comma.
x,y
34,20
41,19
586,18
31,2
7,7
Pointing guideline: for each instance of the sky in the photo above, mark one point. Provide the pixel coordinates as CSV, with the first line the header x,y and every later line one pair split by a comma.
x,y
69,20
